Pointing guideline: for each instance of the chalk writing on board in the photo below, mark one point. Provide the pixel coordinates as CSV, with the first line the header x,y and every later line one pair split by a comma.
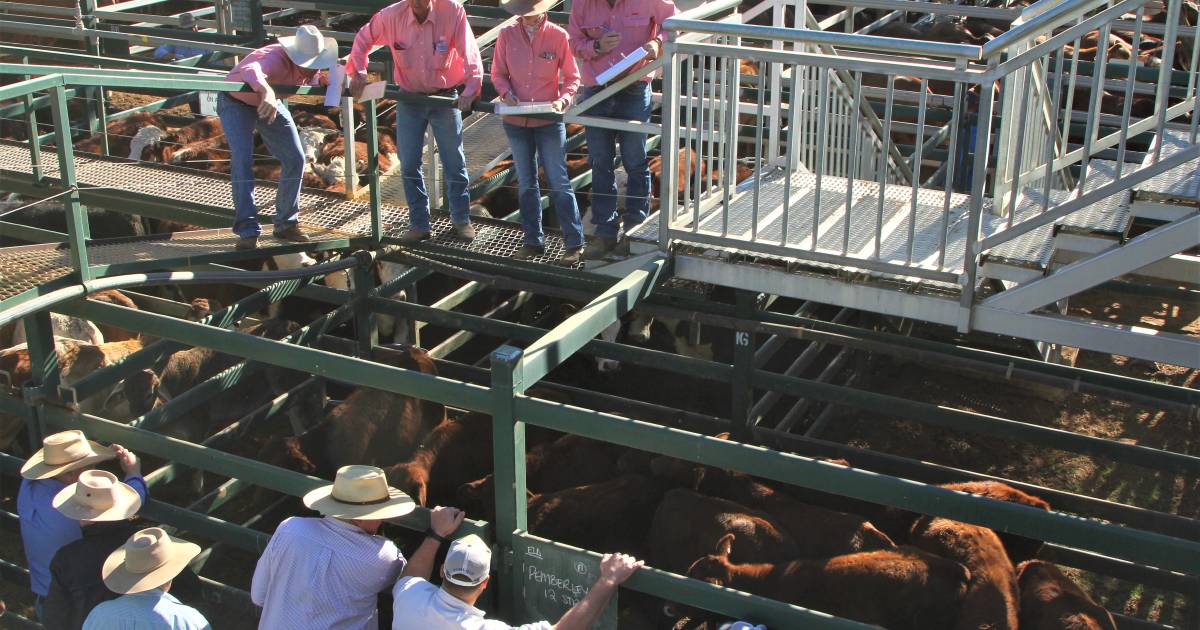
x,y
555,579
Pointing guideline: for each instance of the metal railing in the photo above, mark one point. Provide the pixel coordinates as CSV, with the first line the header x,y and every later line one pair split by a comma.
x,y
822,189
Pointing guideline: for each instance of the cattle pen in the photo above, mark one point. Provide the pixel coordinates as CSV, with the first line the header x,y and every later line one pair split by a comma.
x,y
841,198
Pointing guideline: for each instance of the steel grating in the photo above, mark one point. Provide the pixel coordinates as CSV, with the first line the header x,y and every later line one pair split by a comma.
x,y
1033,249
323,216
1180,184
1108,216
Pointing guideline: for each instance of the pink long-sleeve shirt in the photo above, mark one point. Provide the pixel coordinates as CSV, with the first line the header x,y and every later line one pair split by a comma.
x,y
638,22
537,69
430,56
269,65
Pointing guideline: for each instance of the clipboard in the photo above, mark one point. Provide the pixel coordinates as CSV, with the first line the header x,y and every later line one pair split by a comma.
x,y
373,91
525,109
337,82
621,66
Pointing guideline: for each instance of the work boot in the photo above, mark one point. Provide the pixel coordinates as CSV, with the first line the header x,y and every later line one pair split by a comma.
x,y
464,231
290,233
529,252
599,247
247,242
571,257
412,237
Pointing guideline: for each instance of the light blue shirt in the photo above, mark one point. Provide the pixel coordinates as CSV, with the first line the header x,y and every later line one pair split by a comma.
x,y
44,529
154,609
179,50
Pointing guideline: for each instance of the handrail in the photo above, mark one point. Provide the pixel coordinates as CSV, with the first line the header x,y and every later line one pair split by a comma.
x,y
871,42
706,10
1041,18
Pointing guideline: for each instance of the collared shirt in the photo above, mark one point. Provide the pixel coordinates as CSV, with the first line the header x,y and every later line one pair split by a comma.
x,y
44,529
437,54
154,609
269,65
324,574
419,605
534,69
638,22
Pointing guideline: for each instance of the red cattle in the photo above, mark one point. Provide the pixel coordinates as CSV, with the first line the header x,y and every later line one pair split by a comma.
x,y
607,516
992,598
902,589
1051,601
120,133
687,526
454,452
115,298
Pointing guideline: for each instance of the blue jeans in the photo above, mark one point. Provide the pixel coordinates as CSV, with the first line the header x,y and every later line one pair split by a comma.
x,y
411,121
631,103
547,144
239,121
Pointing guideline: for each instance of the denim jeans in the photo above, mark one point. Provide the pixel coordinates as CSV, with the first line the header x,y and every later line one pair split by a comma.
x,y
631,103
240,121
546,143
411,121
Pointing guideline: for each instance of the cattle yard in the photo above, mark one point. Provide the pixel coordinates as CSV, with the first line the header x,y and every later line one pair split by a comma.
x,y
914,265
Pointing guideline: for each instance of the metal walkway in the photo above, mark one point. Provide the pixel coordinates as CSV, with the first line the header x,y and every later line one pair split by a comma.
x,y
323,216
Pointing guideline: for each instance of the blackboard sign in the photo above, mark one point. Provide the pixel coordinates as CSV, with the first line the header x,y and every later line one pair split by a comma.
x,y
554,579
247,15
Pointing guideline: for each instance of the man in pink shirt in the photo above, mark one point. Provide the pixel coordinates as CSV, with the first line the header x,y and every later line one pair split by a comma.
x,y
602,33
293,61
533,63
434,53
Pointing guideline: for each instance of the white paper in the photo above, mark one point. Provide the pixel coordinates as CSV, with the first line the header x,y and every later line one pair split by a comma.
x,y
373,91
208,103
523,109
621,66
337,82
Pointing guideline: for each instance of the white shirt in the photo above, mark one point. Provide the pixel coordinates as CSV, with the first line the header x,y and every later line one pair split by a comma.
x,y
419,605
323,574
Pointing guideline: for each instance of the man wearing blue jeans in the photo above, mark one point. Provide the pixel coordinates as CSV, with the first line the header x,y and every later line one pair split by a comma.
x,y
434,54
293,61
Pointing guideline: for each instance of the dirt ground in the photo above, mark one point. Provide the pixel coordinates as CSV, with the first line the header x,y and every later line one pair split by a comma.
x,y
1134,423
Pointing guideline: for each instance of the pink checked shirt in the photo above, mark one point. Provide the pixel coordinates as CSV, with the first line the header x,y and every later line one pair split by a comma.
x,y
429,57
638,22
534,70
270,65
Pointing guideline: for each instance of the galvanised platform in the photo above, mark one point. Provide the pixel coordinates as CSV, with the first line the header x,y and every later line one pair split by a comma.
x,y
323,215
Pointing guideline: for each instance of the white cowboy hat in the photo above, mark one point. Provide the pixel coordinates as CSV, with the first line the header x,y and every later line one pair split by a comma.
x,y
62,452
523,8
97,496
360,492
149,559
309,49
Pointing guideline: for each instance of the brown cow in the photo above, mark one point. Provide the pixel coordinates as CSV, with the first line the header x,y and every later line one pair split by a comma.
x,y
1051,601
608,516
379,428
687,526
454,452
115,298
902,589
992,597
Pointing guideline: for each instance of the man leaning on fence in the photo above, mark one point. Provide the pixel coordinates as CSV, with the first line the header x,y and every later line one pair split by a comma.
x,y
602,33
322,573
435,54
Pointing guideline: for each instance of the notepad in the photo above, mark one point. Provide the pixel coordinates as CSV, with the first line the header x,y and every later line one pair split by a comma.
x,y
525,109
621,66
373,91
337,81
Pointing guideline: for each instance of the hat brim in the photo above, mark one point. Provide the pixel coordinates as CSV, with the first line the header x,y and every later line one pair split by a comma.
x,y
126,504
36,467
118,579
525,8
324,60
321,500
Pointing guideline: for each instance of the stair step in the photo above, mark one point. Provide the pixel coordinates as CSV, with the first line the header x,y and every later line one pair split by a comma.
x,y
1109,217
1179,186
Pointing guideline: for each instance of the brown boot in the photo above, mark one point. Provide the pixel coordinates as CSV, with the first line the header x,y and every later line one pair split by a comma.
x,y
529,252
599,247
464,231
571,257
412,237
247,242
290,233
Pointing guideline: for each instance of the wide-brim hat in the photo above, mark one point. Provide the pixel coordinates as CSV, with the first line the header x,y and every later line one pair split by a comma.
x,y
522,8
65,451
360,492
97,496
149,559
309,49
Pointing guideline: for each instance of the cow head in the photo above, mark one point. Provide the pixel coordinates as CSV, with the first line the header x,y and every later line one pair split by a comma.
x,y
136,396
715,568
410,479
608,366
639,328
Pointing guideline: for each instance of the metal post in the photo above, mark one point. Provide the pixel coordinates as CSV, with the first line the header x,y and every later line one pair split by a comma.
x,y
43,371
366,333
374,193
350,174
77,223
35,147
983,138
509,456
669,201
742,394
